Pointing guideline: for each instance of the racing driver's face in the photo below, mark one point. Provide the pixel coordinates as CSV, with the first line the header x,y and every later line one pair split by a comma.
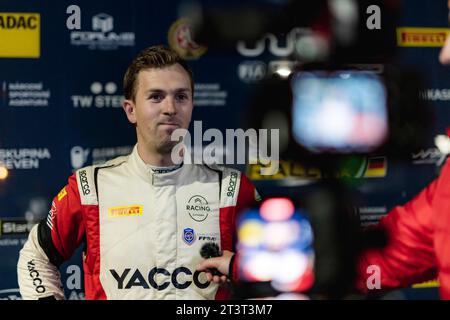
x,y
162,104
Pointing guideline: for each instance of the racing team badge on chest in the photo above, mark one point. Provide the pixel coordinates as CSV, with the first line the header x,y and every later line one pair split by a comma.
x,y
198,208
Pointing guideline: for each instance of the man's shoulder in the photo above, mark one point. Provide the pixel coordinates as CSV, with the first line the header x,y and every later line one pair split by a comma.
x,y
107,164
86,176
232,180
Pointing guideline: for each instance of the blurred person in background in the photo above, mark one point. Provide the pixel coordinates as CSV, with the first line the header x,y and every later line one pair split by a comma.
x,y
418,232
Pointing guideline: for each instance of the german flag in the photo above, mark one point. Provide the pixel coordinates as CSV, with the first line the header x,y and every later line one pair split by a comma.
x,y
376,167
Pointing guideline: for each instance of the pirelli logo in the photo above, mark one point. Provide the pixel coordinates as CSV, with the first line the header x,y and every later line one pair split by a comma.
x,y
62,194
135,210
20,35
421,37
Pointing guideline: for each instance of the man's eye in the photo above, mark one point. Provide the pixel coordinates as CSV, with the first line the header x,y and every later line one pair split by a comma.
x,y
156,96
182,97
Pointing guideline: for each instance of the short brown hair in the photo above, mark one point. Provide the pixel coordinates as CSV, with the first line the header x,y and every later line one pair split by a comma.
x,y
152,57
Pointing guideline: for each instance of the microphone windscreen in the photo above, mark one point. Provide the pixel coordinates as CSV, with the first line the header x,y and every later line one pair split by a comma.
x,y
210,250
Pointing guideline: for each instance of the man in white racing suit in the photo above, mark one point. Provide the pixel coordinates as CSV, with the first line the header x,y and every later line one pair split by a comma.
x,y
143,218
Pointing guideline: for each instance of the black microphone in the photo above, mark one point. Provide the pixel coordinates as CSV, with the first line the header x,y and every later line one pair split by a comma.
x,y
211,250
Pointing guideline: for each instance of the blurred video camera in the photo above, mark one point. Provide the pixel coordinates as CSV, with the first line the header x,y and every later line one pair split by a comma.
x,y
338,94
300,249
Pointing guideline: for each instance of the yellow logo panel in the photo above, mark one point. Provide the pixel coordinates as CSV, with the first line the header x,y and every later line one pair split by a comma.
x,y
421,37
127,211
20,35
62,194
427,284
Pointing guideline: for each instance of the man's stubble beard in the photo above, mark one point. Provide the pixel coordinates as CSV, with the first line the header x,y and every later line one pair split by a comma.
x,y
165,147
161,145
165,144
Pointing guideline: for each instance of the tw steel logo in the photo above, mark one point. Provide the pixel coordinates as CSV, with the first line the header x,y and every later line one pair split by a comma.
x,y
84,182
138,280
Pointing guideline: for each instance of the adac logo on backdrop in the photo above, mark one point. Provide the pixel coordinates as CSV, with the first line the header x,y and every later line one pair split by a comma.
x,y
102,96
20,35
101,37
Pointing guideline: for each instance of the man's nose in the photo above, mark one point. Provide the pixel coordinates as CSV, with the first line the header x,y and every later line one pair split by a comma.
x,y
444,56
169,106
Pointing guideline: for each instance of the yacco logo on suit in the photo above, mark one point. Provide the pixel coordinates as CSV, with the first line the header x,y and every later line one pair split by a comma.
x,y
21,35
35,277
198,208
136,279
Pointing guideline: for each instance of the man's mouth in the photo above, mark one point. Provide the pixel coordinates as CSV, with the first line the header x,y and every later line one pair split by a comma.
x,y
169,124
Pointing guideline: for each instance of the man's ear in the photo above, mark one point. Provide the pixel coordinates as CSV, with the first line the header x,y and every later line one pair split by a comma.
x,y
130,109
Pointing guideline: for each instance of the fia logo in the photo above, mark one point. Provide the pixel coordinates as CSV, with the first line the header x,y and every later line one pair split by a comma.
x,y
188,236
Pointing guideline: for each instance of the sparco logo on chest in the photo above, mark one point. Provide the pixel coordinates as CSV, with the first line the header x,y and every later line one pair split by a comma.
x,y
84,182
198,208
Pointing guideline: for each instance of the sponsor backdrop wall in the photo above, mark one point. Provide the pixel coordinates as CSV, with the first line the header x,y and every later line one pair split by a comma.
x,y
61,94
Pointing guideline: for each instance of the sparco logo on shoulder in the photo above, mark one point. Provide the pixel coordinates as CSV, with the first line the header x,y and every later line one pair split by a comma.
x,y
232,184
84,182
198,208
